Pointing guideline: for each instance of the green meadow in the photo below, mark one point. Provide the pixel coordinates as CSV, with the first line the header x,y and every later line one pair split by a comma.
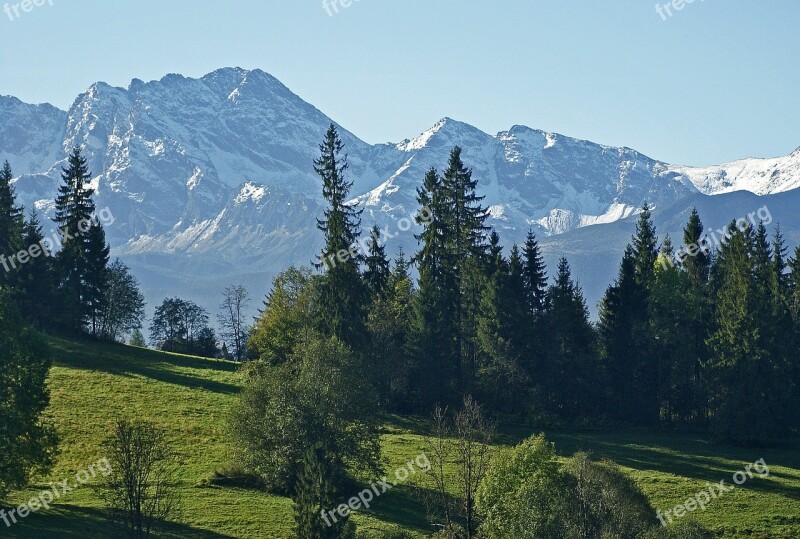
x,y
94,384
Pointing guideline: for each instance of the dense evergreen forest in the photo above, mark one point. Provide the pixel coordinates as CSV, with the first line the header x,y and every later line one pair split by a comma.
x,y
696,339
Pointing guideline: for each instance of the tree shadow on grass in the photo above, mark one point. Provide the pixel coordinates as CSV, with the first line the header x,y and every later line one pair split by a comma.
x,y
69,521
121,360
403,506
686,457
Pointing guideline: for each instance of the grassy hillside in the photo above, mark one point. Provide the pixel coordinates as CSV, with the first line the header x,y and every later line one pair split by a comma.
x,y
93,384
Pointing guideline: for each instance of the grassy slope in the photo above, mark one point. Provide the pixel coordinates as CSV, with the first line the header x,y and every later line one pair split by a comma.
x,y
93,384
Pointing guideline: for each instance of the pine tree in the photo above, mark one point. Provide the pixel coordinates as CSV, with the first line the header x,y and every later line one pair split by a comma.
x,y
751,397
696,265
377,273
342,295
645,248
74,210
36,283
571,375
535,275
433,346
780,265
11,225
624,330
465,242
500,335
674,311
98,255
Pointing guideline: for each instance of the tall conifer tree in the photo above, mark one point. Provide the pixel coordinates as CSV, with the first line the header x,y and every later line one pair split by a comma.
x,y
74,211
11,224
342,292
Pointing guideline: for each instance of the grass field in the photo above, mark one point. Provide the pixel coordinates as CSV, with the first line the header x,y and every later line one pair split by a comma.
x,y
93,384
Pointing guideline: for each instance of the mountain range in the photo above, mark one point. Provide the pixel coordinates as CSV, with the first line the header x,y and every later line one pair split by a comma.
x,y
210,182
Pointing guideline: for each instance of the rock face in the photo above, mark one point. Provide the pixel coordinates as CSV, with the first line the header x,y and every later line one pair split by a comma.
x,y
210,180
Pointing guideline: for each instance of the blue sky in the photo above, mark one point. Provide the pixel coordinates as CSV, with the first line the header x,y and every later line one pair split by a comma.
x,y
716,81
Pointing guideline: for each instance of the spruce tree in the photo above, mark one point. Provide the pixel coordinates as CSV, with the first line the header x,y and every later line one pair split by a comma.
x,y
316,494
73,213
571,374
377,273
465,251
435,356
645,248
623,330
98,254
11,225
696,265
674,312
36,282
749,372
342,295
500,334
535,276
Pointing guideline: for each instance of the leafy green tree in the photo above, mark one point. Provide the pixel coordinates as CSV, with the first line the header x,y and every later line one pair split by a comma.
x,y
137,339
122,304
528,494
182,326
27,441
320,395
607,503
523,493
285,317
342,295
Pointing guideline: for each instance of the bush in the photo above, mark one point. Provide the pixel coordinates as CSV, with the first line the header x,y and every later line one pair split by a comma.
x,y
319,395
527,494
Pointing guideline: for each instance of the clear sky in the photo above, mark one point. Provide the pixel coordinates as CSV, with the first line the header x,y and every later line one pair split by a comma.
x,y
715,81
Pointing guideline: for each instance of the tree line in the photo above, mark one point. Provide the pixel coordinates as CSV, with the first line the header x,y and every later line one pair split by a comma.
x,y
706,343
335,348
66,282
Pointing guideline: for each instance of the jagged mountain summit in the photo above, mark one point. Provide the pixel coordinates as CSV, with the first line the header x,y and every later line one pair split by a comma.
x,y
210,180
